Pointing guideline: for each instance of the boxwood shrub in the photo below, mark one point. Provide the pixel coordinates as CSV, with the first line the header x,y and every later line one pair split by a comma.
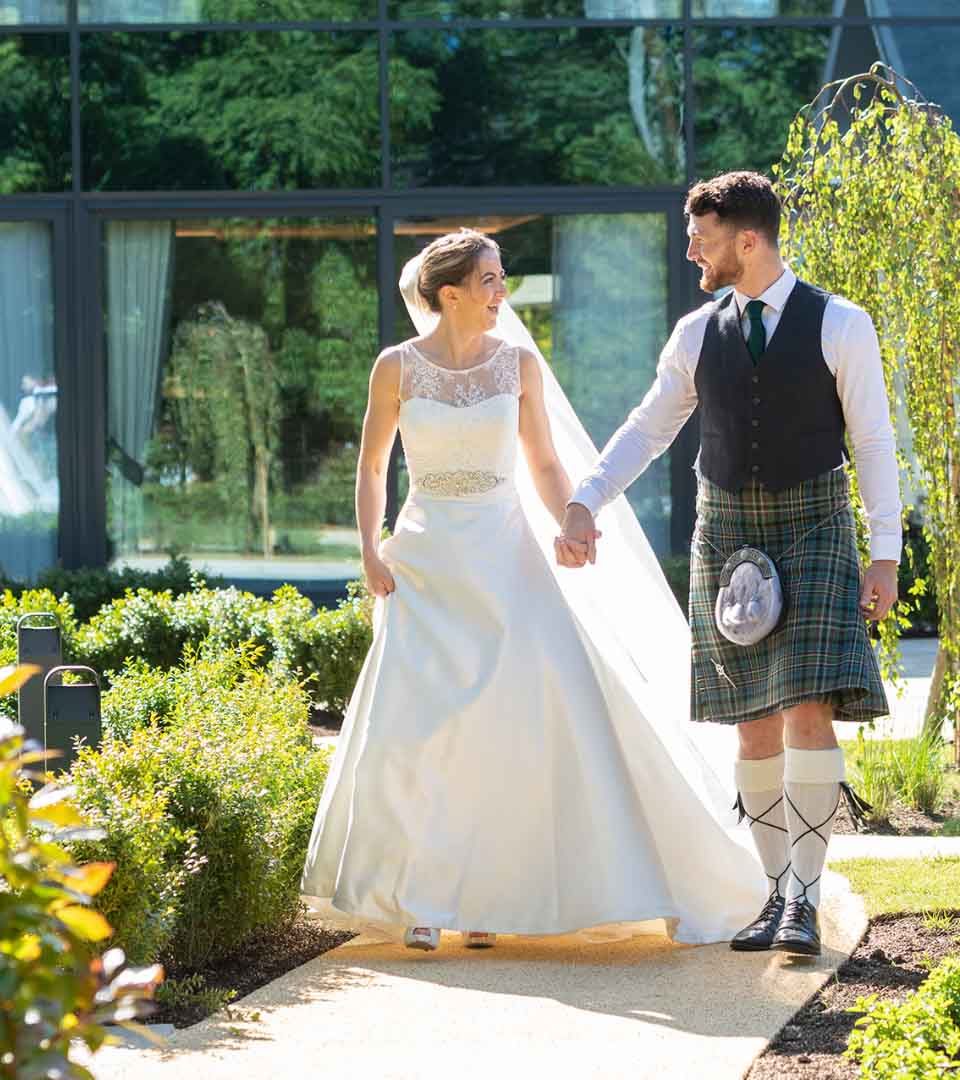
x,y
206,785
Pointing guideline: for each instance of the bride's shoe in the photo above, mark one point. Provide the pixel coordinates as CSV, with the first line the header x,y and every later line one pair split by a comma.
x,y
421,937
478,939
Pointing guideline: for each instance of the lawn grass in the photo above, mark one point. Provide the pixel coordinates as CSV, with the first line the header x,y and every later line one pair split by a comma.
x,y
904,885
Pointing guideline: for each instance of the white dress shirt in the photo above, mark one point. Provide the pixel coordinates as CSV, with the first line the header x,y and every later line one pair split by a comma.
x,y
852,354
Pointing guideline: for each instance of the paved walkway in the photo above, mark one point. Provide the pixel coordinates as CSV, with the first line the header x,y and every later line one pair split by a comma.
x,y
553,1007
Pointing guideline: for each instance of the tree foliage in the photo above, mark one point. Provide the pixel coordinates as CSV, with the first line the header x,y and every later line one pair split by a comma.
x,y
870,181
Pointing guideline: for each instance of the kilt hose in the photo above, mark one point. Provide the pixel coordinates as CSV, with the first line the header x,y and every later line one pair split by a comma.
x,y
820,650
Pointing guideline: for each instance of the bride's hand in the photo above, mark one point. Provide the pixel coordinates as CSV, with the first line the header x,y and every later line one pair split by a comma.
x,y
377,575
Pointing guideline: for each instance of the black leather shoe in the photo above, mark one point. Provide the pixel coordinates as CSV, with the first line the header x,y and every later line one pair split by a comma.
x,y
799,929
760,933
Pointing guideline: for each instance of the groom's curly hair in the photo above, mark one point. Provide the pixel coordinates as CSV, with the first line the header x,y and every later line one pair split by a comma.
x,y
744,199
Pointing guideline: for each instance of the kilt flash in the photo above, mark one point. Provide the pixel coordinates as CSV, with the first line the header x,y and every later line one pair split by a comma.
x,y
820,650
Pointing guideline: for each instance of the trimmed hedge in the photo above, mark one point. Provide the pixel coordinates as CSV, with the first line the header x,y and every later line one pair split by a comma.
x,y
206,785
326,646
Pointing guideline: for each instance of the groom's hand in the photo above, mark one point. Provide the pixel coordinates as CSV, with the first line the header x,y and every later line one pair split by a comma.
x,y
577,544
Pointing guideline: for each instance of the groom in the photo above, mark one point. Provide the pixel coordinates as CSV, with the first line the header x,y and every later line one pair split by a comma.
x,y
782,371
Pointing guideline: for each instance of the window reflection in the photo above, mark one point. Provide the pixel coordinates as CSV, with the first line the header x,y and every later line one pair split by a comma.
x,y
761,9
592,291
34,113
749,85
586,106
245,111
238,356
200,11
535,9
29,491
18,12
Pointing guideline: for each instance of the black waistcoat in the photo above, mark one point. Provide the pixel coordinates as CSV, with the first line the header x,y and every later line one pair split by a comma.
x,y
779,422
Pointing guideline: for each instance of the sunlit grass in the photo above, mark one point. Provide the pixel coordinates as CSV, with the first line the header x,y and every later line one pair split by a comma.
x,y
923,886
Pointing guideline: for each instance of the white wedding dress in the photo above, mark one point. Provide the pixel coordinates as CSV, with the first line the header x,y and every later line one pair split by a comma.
x,y
494,771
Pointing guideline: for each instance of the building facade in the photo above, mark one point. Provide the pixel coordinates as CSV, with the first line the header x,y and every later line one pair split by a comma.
x,y
205,205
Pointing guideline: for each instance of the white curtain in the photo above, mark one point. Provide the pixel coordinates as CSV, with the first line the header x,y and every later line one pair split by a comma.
x,y
29,495
609,324
139,263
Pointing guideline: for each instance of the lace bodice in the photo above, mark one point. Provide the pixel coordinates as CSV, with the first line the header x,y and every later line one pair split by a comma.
x,y
459,428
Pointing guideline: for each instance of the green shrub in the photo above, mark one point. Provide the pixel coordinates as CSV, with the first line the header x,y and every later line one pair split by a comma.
x,y
873,776
912,771
921,777
228,781
337,642
140,624
326,646
54,989
916,1039
90,589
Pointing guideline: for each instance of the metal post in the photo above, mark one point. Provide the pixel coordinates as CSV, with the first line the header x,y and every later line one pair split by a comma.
x,y
71,710
42,646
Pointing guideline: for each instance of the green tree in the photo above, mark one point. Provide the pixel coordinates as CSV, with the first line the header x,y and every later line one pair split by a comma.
x,y
749,84
870,180
34,114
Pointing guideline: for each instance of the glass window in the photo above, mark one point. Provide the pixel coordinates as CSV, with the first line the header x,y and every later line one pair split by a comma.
x,y
536,9
572,106
238,355
241,111
928,57
761,9
18,12
749,85
29,492
200,11
592,290
34,113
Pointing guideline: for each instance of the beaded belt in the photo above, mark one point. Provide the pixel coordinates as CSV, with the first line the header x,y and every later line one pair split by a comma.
x,y
461,482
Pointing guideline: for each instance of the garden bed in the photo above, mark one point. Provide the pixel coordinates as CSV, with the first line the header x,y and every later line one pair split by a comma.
x,y
890,961
263,959
906,821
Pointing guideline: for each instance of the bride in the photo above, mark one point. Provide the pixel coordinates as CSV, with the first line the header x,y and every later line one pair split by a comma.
x,y
515,756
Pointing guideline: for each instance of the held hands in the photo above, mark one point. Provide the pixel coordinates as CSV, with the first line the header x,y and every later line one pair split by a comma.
x,y
377,575
879,590
576,545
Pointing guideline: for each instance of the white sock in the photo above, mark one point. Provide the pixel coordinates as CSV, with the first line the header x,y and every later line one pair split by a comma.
x,y
760,789
812,781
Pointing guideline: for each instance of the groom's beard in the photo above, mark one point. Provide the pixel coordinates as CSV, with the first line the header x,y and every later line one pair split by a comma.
x,y
727,271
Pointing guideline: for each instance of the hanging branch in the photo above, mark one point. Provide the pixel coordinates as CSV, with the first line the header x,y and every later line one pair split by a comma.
x,y
870,181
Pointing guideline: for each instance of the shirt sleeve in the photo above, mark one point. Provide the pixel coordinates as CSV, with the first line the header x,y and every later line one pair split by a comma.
x,y
866,412
649,429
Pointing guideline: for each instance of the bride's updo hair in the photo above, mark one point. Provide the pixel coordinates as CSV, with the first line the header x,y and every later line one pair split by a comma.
x,y
448,260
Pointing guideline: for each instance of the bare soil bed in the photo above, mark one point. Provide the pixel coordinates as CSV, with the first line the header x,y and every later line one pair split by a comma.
x,y
890,961
264,959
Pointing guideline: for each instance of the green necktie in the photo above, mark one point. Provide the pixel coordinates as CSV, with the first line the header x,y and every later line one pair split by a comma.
x,y
757,341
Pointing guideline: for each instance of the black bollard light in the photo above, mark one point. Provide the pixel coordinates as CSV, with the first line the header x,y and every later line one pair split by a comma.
x,y
71,709
43,647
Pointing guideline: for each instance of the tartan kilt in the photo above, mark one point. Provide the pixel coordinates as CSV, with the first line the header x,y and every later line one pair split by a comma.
x,y
820,650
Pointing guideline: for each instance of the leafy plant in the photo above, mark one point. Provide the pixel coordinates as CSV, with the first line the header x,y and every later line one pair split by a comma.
x,y
207,805
874,777
920,776
192,992
916,1039
53,987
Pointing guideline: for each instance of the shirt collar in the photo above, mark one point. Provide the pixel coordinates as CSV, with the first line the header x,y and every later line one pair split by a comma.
x,y
775,296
